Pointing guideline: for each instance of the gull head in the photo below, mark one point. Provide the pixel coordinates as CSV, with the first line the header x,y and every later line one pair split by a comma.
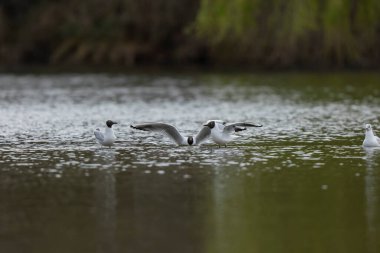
x,y
368,127
109,123
190,140
210,124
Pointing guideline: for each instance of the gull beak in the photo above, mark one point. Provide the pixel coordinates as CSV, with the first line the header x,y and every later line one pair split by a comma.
x,y
114,122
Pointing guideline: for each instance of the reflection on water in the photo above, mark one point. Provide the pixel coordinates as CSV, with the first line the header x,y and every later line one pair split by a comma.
x,y
105,211
372,197
301,183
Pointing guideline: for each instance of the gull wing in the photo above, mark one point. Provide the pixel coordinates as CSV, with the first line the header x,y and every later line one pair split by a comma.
x,y
378,139
202,135
167,129
238,126
99,135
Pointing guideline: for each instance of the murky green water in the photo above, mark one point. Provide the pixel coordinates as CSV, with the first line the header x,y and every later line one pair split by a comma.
x,y
302,183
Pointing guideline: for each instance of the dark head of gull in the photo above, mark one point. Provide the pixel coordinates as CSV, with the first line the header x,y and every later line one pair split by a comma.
x,y
190,140
109,123
210,124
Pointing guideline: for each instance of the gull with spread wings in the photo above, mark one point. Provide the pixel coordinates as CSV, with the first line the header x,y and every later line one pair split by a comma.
x,y
173,133
222,132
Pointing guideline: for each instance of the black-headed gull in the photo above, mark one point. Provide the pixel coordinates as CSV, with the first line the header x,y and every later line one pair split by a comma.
x,y
370,139
173,133
222,132
108,137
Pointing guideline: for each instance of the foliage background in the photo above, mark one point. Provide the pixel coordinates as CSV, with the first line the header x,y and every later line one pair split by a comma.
x,y
257,33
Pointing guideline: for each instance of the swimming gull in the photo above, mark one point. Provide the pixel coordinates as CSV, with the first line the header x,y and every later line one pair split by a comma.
x,y
108,137
370,139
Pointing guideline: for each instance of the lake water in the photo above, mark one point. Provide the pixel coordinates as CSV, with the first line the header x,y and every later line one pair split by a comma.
x,y
301,183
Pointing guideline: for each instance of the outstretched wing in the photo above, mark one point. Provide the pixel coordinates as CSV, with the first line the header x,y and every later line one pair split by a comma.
x,y
202,135
99,135
167,129
238,126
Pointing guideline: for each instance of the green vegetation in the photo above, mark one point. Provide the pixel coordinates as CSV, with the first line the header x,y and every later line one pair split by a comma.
x,y
292,32
269,33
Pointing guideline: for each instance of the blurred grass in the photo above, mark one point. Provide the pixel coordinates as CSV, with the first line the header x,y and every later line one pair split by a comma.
x,y
292,33
258,33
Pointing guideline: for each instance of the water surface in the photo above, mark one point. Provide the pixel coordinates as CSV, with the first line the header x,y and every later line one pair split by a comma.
x,y
301,183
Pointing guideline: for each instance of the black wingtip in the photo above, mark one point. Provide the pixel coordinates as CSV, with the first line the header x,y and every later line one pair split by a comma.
x,y
254,125
138,128
238,129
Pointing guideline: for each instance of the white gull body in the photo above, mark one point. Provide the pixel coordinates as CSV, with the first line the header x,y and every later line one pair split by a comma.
x,y
370,139
107,138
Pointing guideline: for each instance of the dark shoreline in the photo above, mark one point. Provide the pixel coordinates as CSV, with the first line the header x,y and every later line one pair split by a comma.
x,y
172,68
